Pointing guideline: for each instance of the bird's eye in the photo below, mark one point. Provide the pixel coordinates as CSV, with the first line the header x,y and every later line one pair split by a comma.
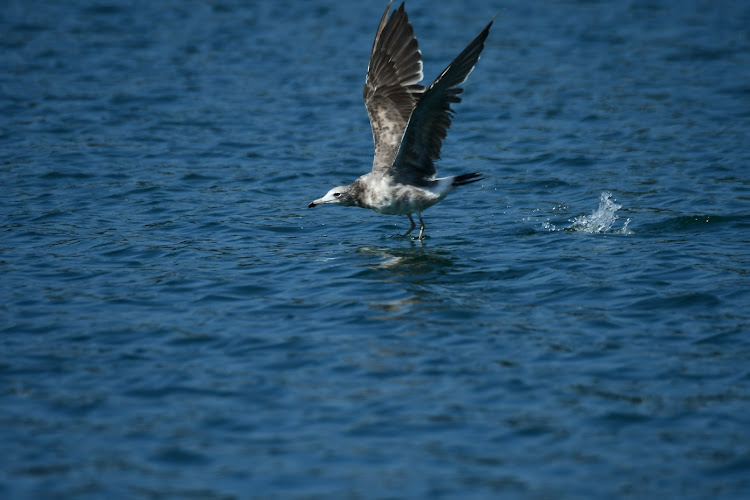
x,y
336,195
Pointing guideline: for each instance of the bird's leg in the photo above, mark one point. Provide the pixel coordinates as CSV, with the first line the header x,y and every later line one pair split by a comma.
x,y
421,226
413,225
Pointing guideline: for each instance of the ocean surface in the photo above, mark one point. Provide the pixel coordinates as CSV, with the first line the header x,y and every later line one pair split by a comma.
x,y
175,323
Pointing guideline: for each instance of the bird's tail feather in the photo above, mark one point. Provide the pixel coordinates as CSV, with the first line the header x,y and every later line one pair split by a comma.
x,y
461,180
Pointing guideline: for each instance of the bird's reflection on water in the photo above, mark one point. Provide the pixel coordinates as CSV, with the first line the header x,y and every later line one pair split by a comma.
x,y
413,270
414,262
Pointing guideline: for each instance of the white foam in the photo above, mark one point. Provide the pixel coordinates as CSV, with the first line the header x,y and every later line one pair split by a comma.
x,y
603,218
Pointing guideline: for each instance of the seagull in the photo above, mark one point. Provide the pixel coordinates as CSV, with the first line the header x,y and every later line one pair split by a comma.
x,y
408,124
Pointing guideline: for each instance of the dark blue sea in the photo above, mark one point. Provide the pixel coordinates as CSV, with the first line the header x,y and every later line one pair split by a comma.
x,y
175,323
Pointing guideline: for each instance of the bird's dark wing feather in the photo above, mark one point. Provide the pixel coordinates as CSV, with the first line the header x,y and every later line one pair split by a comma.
x,y
431,119
391,89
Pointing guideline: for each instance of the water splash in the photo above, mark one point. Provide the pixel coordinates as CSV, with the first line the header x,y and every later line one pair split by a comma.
x,y
601,221
603,218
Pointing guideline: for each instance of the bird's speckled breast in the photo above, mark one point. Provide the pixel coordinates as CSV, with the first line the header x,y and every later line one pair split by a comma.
x,y
397,199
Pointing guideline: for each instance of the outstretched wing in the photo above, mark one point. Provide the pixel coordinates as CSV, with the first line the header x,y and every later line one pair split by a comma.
x,y
431,119
391,89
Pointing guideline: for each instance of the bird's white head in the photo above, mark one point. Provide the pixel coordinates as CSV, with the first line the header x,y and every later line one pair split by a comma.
x,y
339,195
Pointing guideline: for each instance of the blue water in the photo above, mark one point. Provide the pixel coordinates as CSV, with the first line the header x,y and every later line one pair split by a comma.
x,y
177,324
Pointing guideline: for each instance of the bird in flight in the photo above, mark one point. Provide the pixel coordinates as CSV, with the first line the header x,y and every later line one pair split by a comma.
x,y
408,124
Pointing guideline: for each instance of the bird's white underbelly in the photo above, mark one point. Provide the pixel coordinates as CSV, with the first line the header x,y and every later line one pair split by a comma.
x,y
401,199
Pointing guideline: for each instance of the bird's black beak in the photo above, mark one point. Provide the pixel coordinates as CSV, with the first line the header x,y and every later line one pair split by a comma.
x,y
311,205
